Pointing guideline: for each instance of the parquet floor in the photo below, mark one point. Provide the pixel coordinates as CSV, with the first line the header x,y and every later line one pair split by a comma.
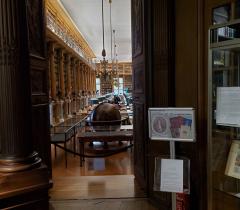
x,y
119,164
103,204
101,184
99,178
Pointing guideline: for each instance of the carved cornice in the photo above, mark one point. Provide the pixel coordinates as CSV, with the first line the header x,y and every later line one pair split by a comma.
x,y
60,23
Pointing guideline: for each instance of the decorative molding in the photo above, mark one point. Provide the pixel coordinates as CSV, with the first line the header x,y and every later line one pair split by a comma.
x,y
59,22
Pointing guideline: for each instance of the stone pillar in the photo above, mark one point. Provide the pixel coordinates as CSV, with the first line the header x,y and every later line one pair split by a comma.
x,y
69,85
85,84
93,77
81,86
52,70
74,86
94,82
90,80
62,85
84,78
88,72
80,78
16,147
78,89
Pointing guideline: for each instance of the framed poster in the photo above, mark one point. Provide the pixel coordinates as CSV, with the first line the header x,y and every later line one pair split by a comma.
x,y
172,124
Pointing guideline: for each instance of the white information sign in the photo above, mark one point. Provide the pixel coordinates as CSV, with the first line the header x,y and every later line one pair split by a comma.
x,y
171,175
172,124
228,106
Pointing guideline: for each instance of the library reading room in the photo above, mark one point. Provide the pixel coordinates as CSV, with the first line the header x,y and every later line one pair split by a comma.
x,y
120,104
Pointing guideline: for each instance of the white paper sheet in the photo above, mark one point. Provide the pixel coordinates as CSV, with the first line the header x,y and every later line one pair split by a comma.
x,y
228,106
171,175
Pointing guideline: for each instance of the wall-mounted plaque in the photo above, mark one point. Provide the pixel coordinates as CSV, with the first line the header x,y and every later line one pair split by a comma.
x,y
172,124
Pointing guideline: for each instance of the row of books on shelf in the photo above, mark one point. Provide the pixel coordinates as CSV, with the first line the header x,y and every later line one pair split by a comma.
x,y
226,32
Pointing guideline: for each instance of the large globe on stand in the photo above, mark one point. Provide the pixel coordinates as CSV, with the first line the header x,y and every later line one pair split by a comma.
x,y
105,117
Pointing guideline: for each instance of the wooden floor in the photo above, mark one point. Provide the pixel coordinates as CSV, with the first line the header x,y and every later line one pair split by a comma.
x,y
119,164
101,184
103,204
99,178
93,187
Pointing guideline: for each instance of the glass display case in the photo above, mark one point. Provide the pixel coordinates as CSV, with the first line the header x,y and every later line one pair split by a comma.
x,y
224,115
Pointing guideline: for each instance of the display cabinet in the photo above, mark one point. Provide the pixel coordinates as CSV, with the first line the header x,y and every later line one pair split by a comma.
x,y
224,116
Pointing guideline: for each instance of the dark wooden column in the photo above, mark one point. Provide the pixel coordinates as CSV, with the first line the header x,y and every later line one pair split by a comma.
x,y
68,61
62,82
16,148
24,106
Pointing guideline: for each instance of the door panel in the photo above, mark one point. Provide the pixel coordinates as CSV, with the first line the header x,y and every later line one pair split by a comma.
x,y
139,99
153,82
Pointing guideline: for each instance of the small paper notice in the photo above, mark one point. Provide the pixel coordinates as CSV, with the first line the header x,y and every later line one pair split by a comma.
x,y
228,109
171,175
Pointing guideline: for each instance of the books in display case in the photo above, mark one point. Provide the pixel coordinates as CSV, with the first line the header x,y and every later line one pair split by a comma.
x,y
233,162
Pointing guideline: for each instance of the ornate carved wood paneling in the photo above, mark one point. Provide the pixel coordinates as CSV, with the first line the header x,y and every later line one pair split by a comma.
x,y
160,62
190,92
139,77
39,79
28,187
24,190
36,33
139,144
40,115
139,94
58,22
137,28
163,52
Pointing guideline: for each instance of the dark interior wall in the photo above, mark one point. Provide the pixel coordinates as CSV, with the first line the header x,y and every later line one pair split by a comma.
x,y
186,53
161,64
190,92
193,19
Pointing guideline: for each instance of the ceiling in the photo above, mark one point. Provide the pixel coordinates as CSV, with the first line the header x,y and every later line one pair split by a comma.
x,y
87,16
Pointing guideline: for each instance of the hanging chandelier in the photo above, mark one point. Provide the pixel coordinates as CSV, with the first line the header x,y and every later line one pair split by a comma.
x,y
107,71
